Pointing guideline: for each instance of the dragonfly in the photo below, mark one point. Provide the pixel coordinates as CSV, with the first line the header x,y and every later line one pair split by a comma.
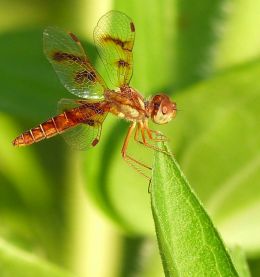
x,y
80,120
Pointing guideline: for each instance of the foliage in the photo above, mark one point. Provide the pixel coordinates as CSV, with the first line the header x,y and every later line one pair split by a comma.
x,y
203,54
189,243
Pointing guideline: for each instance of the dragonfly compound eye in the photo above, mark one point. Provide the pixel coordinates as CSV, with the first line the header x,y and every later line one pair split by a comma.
x,y
163,109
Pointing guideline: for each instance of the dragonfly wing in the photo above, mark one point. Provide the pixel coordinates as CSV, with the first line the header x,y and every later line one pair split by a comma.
x,y
114,38
86,134
82,136
65,53
67,104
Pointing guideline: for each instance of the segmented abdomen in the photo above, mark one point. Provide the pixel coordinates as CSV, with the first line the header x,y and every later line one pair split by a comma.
x,y
87,113
48,129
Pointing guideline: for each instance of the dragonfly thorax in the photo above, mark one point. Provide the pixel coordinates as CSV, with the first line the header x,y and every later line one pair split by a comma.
x,y
127,104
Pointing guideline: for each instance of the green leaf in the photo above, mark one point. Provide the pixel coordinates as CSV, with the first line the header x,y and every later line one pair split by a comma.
x,y
18,263
189,243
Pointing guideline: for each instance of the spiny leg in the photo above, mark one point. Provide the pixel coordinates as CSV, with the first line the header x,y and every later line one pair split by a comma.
x,y
149,133
137,140
137,132
157,133
125,145
161,136
136,168
144,141
130,160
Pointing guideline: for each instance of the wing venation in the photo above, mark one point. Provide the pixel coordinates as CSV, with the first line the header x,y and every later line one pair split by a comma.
x,y
67,56
114,38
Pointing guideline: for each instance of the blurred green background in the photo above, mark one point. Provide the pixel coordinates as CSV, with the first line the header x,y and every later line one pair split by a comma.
x,y
65,213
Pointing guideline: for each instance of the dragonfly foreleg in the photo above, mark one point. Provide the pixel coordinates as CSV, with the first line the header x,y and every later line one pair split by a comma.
x,y
144,128
158,135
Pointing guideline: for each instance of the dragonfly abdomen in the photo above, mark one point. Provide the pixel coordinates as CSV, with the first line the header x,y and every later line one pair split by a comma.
x,y
47,129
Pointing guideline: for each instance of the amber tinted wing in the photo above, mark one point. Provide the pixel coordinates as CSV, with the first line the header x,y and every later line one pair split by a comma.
x,y
86,134
114,38
70,62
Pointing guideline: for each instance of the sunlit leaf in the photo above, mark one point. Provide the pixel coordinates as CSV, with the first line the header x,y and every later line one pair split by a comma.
x,y
189,243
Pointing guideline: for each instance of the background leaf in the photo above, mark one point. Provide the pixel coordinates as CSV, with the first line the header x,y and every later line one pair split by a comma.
x,y
239,260
16,262
43,208
222,135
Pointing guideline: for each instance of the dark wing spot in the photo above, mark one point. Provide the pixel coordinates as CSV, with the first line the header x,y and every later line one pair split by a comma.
x,y
81,76
90,122
59,56
95,142
132,27
62,56
122,63
74,37
117,41
123,44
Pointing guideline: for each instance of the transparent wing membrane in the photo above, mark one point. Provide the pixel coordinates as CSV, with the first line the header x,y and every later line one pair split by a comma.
x,y
65,53
87,132
114,38
82,136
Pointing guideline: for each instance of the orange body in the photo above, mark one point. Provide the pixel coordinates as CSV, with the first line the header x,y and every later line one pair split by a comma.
x,y
86,113
81,120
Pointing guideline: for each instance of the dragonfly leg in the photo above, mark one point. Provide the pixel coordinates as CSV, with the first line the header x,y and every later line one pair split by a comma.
x,y
137,133
130,160
144,141
159,135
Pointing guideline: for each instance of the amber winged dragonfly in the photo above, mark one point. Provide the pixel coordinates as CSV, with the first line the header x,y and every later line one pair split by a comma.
x,y
80,121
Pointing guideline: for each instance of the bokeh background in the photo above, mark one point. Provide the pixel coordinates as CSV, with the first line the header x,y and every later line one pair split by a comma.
x,y
65,213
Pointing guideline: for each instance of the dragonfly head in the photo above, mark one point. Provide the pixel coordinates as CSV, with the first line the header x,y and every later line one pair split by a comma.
x,y
161,109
